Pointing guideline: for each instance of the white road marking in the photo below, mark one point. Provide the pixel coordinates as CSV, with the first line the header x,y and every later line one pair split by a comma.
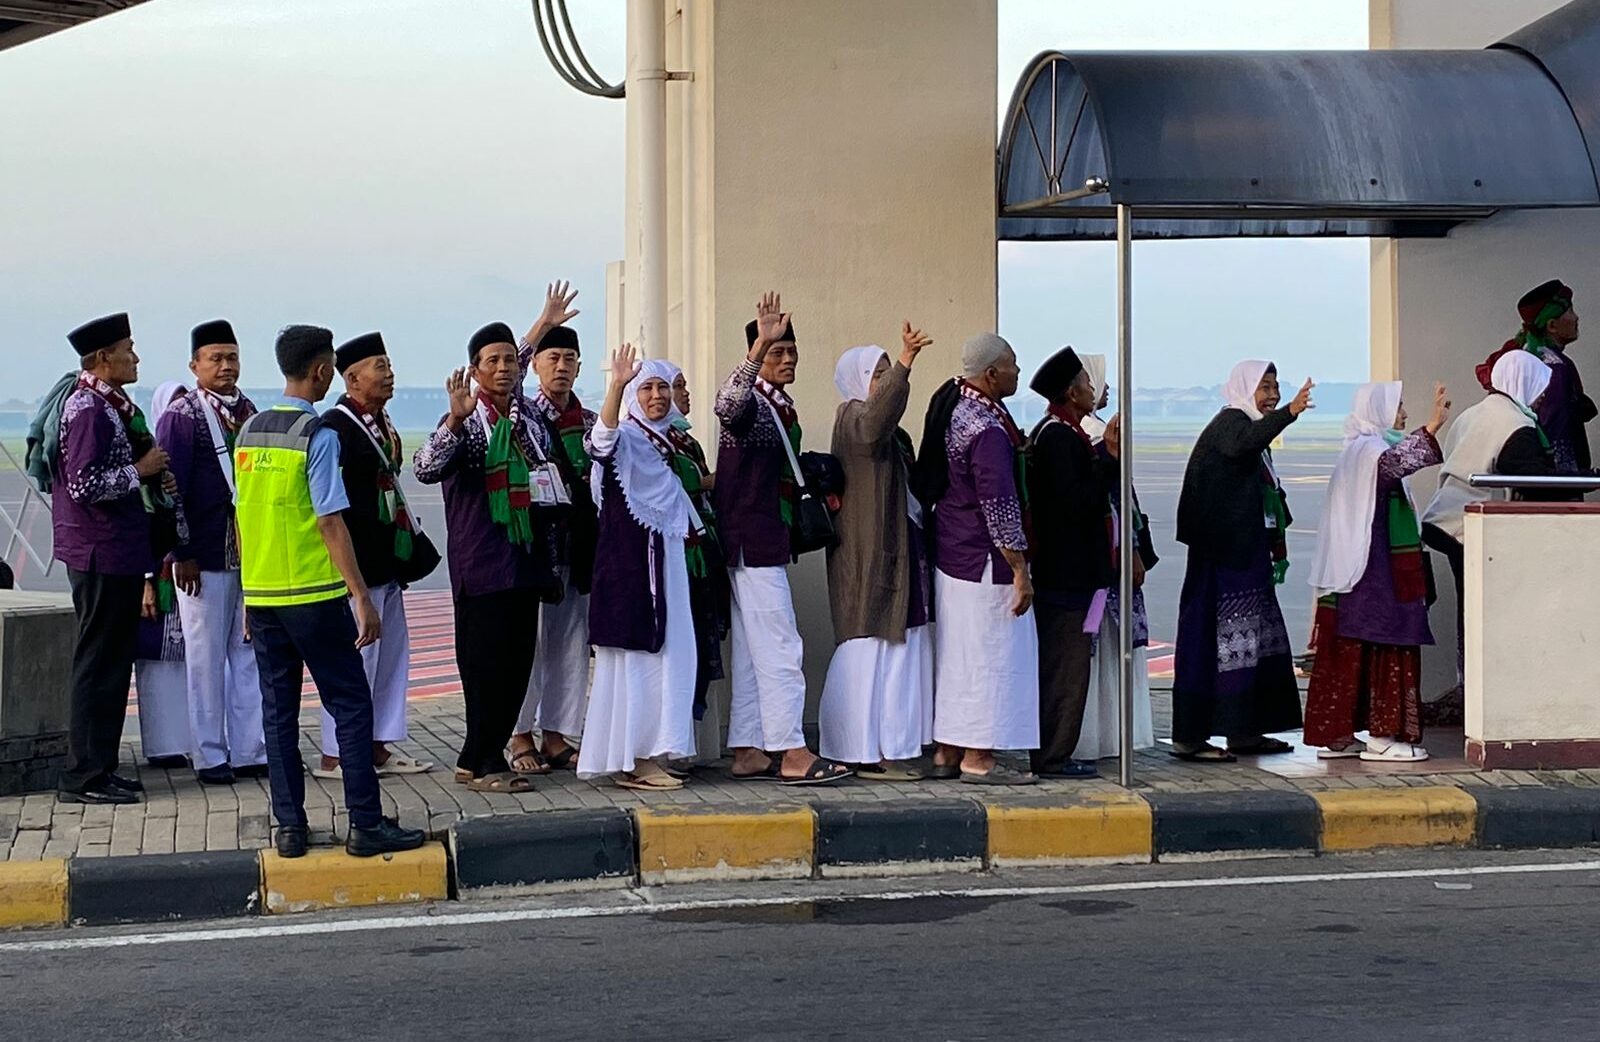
x,y
434,920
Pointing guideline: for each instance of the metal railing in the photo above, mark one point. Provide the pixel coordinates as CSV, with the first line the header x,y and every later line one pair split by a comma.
x,y
30,495
1515,482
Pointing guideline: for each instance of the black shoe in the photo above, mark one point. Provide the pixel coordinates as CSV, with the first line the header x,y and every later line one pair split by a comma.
x,y
387,838
251,770
1071,769
98,795
168,763
293,840
222,775
117,781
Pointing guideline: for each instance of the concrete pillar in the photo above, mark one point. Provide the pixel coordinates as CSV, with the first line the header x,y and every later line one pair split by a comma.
x,y
1440,306
841,153
37,633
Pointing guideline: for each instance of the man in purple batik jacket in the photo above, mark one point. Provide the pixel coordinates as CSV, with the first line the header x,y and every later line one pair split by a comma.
x,y
102,528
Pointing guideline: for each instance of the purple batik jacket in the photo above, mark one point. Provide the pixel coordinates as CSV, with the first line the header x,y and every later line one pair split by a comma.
x,y
207,502
1370,611
981,512
99,519
750,463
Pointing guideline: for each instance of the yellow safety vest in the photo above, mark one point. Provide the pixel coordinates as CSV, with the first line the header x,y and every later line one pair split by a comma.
x,y
283,560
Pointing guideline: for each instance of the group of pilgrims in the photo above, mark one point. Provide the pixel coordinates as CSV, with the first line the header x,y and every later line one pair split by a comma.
x,y
598,561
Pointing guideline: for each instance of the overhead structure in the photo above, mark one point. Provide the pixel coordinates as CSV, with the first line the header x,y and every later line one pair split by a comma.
x,y
24,20
1317,143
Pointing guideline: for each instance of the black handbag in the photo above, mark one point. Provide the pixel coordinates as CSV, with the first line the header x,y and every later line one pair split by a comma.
x,y
818,475
422,562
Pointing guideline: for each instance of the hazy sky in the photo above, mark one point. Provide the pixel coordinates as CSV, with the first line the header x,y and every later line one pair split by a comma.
x,y
415,166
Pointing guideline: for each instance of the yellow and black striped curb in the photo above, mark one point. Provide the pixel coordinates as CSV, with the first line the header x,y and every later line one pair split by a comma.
x,y
612,847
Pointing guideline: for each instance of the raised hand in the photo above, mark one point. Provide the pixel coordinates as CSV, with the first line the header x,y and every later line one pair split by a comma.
x,y
771,321
1302,401
912,341
1113,437
1441,408
625,365
558,309
462,401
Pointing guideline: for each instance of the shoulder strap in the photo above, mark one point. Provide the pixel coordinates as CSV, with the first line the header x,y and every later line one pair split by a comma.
x,y
219,445
783,436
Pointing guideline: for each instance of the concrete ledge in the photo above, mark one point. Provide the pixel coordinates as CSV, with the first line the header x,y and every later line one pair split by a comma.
x,y
686,845
1366,819
1538,817
564,846
1232,822
33,893
1100,827
920,836
149,888
328,878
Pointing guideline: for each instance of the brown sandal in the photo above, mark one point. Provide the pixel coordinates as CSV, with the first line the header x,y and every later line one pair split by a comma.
x,y
505,782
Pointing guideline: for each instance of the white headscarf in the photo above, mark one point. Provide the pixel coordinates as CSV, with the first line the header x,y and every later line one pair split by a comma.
x,y
1521,377
163,398
1240,390
853,373
675,415
650,486
1095,366
1344,538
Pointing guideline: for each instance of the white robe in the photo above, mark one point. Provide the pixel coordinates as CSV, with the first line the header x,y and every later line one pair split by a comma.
x,y
986,686
224,690
388,667
877,703
641,706
560,676
1101,733
769,685
163,708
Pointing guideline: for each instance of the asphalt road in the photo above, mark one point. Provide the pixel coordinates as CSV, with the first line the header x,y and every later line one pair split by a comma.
x,y
1217,954
1304,463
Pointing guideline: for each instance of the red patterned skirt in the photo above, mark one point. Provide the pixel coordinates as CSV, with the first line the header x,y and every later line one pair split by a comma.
x,y
1360,686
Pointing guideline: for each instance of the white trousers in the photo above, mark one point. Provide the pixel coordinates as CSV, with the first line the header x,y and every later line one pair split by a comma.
x,y
224,693
559,684
163,708
877,703
388,664
987,678
769,685
1102,727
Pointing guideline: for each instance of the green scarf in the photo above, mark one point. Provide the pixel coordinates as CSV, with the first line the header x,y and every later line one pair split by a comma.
x,y
1278,509
505,476
166,595
1405,550
788,484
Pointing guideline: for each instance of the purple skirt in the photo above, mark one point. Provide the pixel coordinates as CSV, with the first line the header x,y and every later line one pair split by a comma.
x,y
1233,666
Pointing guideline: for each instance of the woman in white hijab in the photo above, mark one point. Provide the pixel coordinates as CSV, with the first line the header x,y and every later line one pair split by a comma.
x,y
160,675
641,705
1095,366
1372,618
877,702
1498,435
1234,674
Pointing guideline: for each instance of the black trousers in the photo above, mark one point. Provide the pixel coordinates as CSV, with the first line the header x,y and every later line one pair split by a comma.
x,y
1064,654
102,668
1440,541
495,637
320,637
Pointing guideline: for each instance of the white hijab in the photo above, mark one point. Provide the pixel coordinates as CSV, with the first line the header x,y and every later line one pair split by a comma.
x,y
1240,390
1095,366
1344,538
1520,376
162,400
650,486
853,373
675,416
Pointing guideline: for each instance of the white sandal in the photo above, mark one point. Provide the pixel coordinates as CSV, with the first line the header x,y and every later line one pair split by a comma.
x,y
1349,751
1388,750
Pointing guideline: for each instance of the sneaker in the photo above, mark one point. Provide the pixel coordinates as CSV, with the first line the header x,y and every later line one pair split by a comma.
x,y
387,837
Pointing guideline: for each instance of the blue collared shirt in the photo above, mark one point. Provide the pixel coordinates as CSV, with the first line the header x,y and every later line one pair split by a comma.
x,y
322,466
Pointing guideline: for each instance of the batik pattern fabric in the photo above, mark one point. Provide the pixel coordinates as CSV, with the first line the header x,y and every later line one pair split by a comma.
x,y
1002,514
1360,685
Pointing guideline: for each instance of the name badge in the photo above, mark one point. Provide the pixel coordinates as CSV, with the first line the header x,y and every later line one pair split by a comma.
x,y
546,487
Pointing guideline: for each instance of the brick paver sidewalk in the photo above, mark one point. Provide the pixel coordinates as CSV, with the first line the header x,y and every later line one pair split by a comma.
x,y
180,815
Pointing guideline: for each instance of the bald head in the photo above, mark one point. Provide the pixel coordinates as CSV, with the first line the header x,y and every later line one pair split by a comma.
x,y
989,363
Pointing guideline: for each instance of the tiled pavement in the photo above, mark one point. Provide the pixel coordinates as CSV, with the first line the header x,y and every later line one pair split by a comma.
x,y
181,815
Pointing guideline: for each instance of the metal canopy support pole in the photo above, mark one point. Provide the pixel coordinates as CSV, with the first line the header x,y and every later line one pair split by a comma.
x,y
1126,515
647,104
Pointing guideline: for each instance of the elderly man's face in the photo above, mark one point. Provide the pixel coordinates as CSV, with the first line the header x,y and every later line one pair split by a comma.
x,y
1004,374
782,359
557,368
496,369
1564,330
1080,392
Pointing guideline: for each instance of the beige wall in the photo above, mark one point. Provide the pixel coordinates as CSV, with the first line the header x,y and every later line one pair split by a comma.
x,y
1439,306
842,153
1513,564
